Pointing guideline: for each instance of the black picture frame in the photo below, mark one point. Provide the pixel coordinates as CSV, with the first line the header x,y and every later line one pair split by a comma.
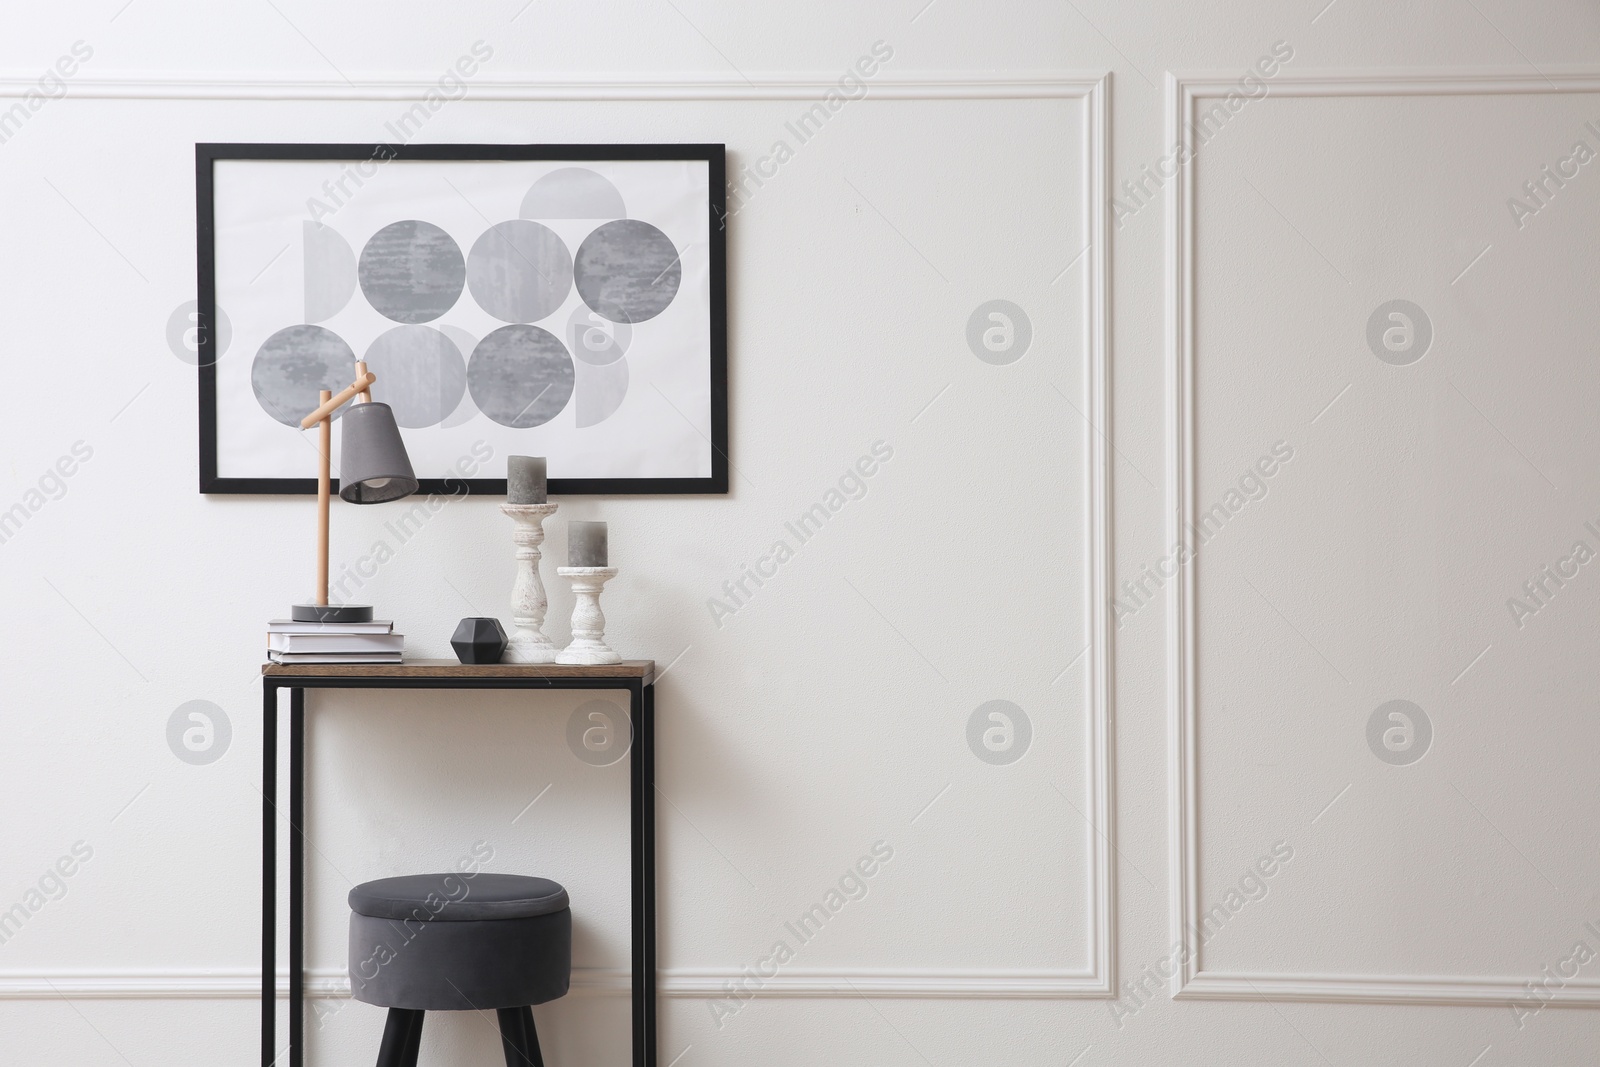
x,y
714,155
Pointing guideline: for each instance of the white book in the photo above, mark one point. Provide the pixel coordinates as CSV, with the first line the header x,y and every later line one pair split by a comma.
x,y
288,626
334,657
336,643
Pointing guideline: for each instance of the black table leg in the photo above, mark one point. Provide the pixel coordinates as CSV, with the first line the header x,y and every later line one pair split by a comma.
x,y
647,860
269,872
641,787
297,876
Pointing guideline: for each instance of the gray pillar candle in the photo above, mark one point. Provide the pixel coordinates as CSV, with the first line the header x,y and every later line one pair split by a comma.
x,y
525,480
586,544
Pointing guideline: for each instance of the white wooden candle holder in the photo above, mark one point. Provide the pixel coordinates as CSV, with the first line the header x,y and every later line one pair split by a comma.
x,y
588,622
528,600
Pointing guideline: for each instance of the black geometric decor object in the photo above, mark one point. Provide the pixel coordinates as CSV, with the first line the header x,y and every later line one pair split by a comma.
x,y
479,641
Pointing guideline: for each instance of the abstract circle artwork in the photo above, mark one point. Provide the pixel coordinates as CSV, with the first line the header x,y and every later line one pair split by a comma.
x,y
519,271
598,346
423,373
508,300
465,410
293,365
601,391
573,193
412,271
594,340
328,271
520,376
627,271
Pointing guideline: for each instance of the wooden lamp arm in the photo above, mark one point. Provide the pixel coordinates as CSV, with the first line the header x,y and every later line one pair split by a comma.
x,y
361,387
324,493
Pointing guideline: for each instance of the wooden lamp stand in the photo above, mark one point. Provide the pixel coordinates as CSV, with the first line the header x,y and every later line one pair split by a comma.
x,y
320,610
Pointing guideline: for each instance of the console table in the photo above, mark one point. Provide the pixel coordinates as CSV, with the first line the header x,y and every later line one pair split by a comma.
x,y
635,676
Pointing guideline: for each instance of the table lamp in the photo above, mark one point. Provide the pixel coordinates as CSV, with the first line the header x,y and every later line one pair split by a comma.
x,y
373,469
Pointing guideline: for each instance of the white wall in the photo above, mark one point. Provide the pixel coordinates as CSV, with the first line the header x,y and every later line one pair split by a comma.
x,y
832,711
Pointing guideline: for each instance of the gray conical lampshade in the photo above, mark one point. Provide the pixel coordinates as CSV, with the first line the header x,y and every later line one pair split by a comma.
x,y
373,465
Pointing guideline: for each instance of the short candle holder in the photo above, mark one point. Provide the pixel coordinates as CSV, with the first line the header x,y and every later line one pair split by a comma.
x,y
588,622
528,600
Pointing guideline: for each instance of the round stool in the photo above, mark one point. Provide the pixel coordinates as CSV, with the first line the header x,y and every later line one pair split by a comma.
x,y
459,942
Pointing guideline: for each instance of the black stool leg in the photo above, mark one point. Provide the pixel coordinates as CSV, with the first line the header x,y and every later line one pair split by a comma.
x,y
401,1033
533,1038
519,1038
413,1041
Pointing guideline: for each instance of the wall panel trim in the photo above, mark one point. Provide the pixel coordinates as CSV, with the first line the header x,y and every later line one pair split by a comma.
x,y
1192,981
695,983
485,87
1092,90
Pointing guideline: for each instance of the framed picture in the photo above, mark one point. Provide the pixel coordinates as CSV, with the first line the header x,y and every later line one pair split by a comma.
x,y
566,301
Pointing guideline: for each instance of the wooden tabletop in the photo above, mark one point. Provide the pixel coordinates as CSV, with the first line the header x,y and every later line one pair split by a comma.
x,y
445,668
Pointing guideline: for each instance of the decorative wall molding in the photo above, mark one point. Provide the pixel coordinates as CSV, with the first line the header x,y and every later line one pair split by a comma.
x,y
1192,981
1101,980
1092,90
245,984
220,984
1184,87
901,983
1386,989
484,87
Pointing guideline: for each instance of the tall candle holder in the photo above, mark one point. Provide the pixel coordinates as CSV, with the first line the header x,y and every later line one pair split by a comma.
x,y
529,603
588,621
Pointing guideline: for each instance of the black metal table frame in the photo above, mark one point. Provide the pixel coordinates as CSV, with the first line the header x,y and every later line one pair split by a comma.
x,y
641,780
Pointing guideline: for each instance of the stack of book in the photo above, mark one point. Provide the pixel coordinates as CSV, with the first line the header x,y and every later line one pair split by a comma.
x,y
333,642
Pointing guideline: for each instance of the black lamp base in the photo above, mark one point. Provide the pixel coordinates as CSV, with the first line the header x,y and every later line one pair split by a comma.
x,y
331,613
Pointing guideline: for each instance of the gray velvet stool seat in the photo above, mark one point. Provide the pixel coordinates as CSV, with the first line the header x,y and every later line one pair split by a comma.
x,y
459,942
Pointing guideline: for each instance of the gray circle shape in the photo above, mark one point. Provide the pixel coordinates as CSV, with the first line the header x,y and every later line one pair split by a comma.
x,y
185,329
999,332
412,271
1399,733
1399,332
627,271
421,374
596,344
599,733
198,732
573,193
466,410
521,376
519,271
294,365
999,732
